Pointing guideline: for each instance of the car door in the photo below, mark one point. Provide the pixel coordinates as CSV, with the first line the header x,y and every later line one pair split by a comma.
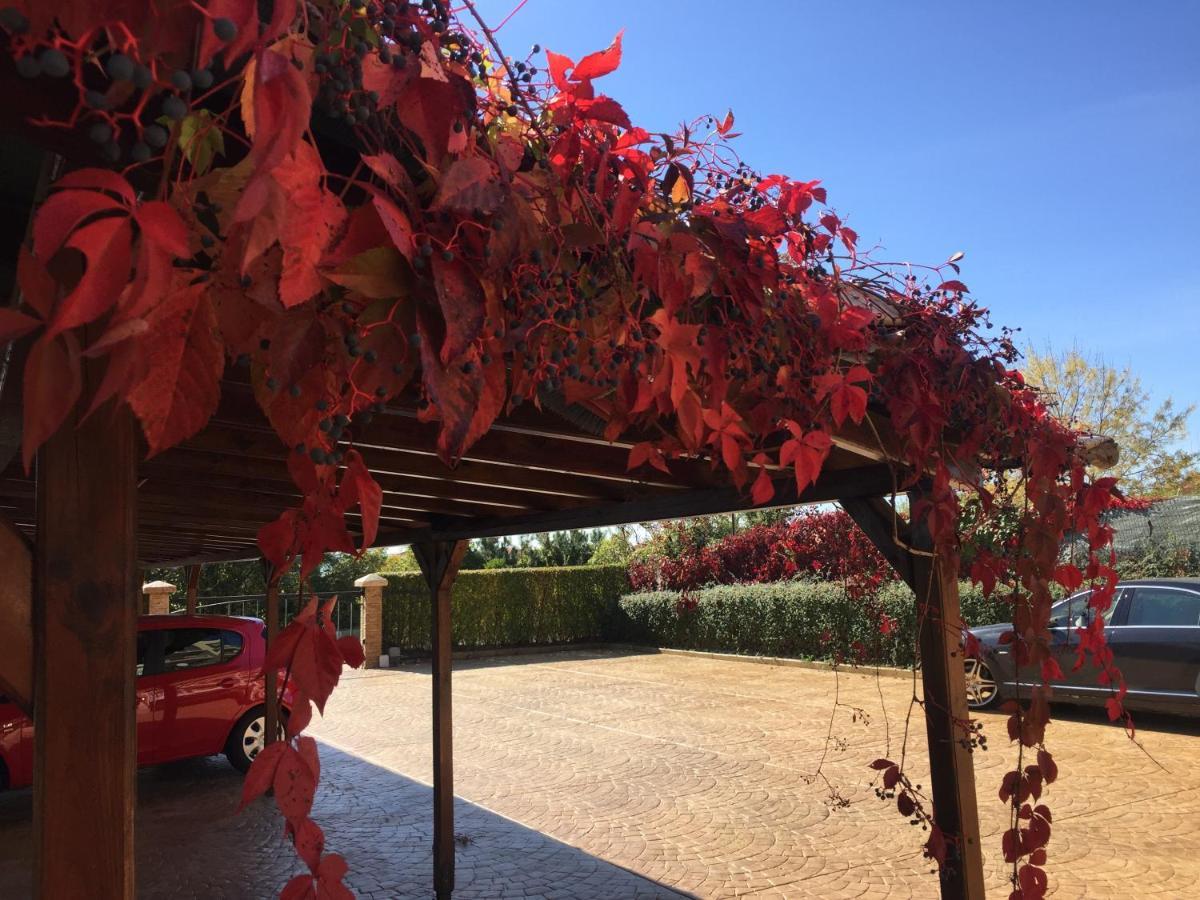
x,y
1157,644
148,695
1066,620
202,690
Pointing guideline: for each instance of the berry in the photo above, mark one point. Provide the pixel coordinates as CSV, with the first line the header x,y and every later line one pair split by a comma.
x,y
294,390
155,136
140,152
224,29
55,63
317,455
100,132
29,67
203,79
95,100
13,20
174,108
181,80
142,77
111,151
119,67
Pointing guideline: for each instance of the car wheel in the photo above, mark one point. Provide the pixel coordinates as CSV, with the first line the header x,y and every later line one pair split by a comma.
x,y
248,737
982,690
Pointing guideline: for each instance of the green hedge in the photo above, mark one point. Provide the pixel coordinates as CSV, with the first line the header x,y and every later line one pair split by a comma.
x,y
800,619
509,607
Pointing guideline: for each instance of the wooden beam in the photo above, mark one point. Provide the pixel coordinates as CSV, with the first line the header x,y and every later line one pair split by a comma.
x,y
439,561
870,480
879,522
939,620
85,633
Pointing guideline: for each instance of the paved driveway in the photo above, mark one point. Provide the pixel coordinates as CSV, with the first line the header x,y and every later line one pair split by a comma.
x,y
602,775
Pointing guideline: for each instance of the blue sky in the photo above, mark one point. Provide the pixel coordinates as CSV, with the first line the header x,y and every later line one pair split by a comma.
x,y
1057,144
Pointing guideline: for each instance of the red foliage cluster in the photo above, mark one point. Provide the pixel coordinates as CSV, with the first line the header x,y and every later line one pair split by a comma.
x,y
366,200
824,545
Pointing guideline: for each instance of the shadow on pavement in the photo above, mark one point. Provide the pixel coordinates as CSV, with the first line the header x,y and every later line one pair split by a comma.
x,y
192,843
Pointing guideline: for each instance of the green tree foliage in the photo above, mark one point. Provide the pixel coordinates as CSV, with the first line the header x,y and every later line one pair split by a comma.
x,y
1088,393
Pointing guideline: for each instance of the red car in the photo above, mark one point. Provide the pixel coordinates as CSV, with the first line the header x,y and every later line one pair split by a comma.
x,y
199,692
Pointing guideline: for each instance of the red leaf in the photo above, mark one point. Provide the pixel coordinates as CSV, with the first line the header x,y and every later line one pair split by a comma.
x,y
277,539
558,66
936,845
282,107
953,286
905,803
14,324
1048,766
61,214
359,487
469,185
604,109
295,784
185,362
300,715
302,887
429,108
881,764
352,651
309,842
52,384
595,65
106,244
763,489
389,170
462,301
262,772
161,223
396,223
38,287
98,180
646,452
724,126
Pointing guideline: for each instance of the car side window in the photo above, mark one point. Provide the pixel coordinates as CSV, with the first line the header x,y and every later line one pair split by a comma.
x,y
1065,612
231,645
143,641
1164,606
192,648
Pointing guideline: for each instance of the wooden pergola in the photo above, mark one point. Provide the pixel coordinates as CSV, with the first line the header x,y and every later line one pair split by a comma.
x,y
95,511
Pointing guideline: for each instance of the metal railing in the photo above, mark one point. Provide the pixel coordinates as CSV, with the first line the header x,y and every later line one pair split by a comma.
x,y
347,612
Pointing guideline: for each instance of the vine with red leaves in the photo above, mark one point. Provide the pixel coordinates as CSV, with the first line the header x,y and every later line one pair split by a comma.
x,y
358,201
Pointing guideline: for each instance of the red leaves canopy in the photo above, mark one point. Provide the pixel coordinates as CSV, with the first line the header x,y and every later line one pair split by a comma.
x,y
383,211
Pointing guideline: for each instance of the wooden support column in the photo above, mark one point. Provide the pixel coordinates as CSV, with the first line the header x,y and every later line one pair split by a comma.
x,y
193,588
271,676
87,590
439,561
952,769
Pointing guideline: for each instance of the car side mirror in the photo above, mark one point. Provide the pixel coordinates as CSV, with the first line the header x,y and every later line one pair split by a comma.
x,y
1081,620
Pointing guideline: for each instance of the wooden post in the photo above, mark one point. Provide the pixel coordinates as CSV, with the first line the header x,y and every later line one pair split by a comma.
x,y
439,561
952,769
272,676
193,588
85,638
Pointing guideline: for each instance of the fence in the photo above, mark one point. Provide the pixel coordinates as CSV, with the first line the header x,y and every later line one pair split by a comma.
x,y
347,612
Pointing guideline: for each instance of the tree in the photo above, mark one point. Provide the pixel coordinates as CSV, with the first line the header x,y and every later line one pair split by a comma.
x,y
1088,394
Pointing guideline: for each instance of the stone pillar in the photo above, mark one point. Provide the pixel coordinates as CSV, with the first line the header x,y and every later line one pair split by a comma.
x,y
158,597
372,617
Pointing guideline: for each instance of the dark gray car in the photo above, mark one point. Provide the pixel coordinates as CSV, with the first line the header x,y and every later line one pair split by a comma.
x,y
1153,628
